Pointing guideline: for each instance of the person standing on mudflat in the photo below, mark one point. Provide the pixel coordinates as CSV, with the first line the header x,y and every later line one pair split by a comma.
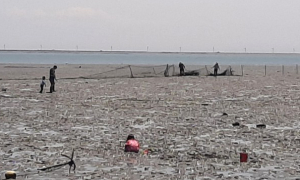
x,y
42,84
181,67
216,68
52,78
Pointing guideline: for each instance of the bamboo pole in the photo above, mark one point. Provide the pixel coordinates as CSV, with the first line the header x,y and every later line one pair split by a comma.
x,y
242,67
173,69
131,71
166,71
265,70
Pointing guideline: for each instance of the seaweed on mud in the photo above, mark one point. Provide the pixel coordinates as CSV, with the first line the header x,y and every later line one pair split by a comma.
x,y
70,163
55,167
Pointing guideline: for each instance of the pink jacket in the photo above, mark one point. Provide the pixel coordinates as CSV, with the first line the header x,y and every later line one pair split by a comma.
x,y
132,145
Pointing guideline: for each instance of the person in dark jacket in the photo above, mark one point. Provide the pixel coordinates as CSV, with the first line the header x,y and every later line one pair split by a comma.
x,y
216,68
52,78
181,67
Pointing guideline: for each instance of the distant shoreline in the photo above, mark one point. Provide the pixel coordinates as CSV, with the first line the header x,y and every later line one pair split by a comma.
x,y
146,52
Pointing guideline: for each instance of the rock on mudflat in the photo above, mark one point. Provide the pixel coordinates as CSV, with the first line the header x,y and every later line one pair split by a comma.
x,y
236,124
224,114
262,126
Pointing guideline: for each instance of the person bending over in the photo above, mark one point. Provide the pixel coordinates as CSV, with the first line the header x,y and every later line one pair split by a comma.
x,y
181,67
132,145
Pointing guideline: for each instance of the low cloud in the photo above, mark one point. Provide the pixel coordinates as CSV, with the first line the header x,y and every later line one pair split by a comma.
x,y
72,12
16,12
77,12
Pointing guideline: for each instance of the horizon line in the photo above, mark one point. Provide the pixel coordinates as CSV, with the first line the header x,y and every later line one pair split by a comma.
x,y
141,51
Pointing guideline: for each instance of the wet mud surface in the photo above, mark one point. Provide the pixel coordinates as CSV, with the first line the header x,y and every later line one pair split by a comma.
x,y
185,121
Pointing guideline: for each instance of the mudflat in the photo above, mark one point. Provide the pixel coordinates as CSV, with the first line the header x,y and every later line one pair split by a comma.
x,y
185,121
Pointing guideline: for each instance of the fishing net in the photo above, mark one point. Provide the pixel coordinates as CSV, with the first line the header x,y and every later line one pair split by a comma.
x,y
198,72
206,71
134,71
227,72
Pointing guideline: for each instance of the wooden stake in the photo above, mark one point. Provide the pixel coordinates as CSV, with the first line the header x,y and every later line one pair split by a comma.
x,y
242,70
131,71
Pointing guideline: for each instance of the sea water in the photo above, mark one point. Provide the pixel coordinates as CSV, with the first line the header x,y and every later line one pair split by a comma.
x,y
151,58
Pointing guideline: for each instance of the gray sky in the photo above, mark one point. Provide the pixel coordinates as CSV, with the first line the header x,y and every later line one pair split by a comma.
x,y
162,25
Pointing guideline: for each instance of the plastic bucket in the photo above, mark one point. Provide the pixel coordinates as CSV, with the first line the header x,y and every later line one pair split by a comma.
x,y
243,157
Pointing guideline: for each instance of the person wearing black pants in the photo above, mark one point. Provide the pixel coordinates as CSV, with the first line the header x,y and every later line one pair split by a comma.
x,y
42,84
52,79
181,67
216,68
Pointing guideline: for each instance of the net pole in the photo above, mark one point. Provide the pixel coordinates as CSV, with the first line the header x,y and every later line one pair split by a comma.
x,y
297,68
173,70
282,69
131,71
242,67
167,71
154,71
265,70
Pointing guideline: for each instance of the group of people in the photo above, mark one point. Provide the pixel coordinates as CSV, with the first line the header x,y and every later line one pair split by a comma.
x,y
52,79
132,145
182,68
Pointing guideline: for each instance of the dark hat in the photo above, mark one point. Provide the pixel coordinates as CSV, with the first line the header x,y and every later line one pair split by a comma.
x,y
130,136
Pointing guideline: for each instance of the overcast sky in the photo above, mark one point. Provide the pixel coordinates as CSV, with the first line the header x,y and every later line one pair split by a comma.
x,y
162,25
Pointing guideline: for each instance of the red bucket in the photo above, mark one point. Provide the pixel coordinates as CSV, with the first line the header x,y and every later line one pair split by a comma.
x,y
243,157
